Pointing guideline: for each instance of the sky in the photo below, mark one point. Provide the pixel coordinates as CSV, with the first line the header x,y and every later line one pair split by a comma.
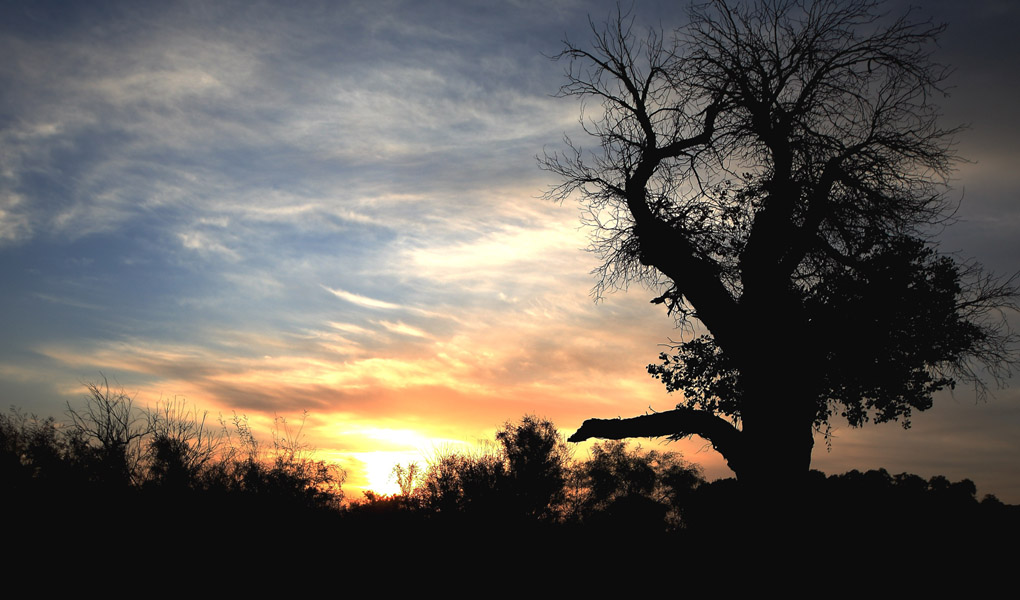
x,y
267,208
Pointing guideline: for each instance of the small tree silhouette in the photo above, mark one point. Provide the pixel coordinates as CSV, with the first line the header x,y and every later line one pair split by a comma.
x,y
523,477
111,428
282,474
181,445
457,482
650,490
407,478
537,463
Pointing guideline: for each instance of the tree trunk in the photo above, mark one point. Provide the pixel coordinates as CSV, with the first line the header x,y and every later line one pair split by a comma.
x,y
777,428
770,454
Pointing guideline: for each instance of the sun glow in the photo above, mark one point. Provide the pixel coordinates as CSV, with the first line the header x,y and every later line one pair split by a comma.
x,y
373,470
379,469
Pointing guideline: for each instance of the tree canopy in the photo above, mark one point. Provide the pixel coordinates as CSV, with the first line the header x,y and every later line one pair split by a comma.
x,y
776,171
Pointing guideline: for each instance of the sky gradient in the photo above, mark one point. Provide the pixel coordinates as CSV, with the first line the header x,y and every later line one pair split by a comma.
x,y
269,207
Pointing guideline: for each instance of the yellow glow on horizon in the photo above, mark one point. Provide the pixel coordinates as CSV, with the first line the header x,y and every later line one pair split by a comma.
x,y
384,448
379,469
399,437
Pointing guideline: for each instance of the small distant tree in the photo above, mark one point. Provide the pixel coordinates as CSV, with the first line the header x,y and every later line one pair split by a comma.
x,y
406,477
522,477
281,473
181,445
537,463
617,482
460,482
111,429
33,448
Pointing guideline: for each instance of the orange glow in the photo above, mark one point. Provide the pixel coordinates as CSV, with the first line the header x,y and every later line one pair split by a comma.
x,y
378,471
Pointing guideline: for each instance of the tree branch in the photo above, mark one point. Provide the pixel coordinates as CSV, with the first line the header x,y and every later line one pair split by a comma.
x,y
678,423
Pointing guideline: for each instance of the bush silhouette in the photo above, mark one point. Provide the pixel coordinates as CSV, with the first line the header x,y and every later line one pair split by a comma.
x,y
181,446
109,430
523,477
537,463
632,489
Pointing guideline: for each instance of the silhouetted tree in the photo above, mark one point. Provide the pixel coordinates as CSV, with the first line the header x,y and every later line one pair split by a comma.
x,y
523,477
35,451
180,445
282,474
406,477
464,483
111,428
646,491
537,461
773,171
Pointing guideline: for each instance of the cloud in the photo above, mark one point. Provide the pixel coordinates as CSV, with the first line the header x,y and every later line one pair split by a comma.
x,y
197,240
14,222
362,300
403,329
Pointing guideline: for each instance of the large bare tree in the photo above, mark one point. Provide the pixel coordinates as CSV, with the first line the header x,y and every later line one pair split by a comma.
x,y
775,170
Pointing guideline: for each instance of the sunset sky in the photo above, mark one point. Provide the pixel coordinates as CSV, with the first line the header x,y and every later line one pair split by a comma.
x,y
273,207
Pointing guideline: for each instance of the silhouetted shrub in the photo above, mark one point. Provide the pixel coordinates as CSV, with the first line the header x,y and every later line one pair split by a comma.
x,y
524,477
633,489
280,475
407,478
117,467
180,446
109,429
537,462
464,483
36,451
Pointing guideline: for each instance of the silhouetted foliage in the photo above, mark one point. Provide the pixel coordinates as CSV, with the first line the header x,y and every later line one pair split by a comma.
x,y
181,445
272,496
523,477
38,452
121,465
641,491
282,474
406,477
537,460
774,170
916,509
111,428
464,483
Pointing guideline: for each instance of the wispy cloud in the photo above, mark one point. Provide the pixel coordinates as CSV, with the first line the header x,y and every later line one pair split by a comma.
x,y
403,329
68,301
361,300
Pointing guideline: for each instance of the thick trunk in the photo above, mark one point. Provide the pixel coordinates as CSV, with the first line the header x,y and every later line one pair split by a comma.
x,y
779,449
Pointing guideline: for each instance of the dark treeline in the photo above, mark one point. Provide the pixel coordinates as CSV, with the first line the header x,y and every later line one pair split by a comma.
x,y
124,482
118,477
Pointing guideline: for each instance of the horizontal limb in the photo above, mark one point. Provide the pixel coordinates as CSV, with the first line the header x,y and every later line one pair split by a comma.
x,y
677,423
